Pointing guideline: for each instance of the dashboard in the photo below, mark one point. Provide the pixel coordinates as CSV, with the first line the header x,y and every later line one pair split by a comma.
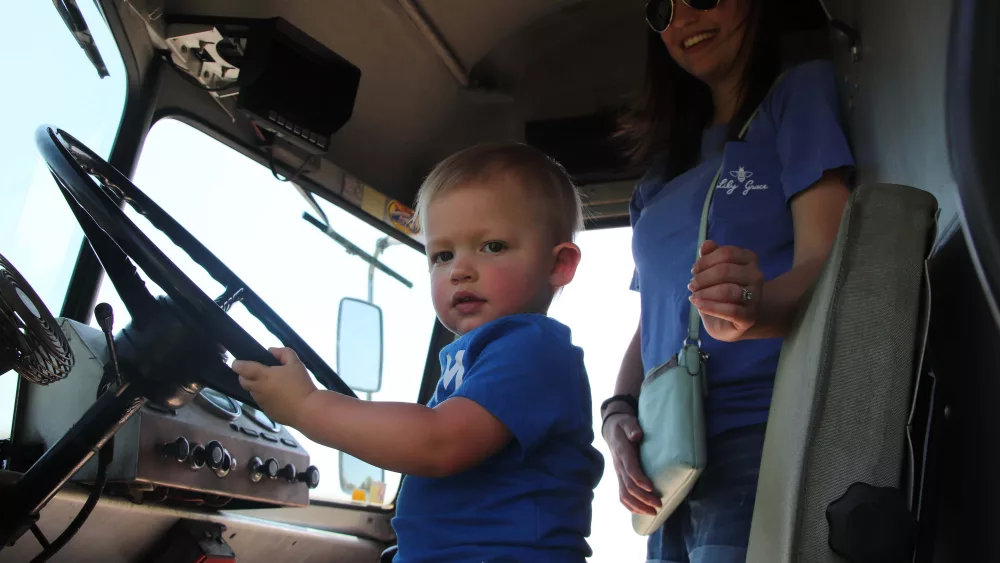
x,y
214,451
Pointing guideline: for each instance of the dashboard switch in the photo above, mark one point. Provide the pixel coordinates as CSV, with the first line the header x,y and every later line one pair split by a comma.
x,y
256,468
271,468
197,456
179,449
287,473
227,465
260,469
310,477
214,454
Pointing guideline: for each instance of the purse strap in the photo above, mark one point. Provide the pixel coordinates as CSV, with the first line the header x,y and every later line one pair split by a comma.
x,y
694,319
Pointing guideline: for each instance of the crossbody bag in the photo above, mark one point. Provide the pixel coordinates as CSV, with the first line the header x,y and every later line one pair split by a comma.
x,y
671,405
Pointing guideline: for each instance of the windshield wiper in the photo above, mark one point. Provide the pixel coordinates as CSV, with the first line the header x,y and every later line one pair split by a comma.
x,y
77,25
353,248
325,226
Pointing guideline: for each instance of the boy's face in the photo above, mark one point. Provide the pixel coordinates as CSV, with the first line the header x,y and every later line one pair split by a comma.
x,y
491,254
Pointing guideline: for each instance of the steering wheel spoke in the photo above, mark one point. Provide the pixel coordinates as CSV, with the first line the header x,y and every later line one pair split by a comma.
x,y
121,271
116,240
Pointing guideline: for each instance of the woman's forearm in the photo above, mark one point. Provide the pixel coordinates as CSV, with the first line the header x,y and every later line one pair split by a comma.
x,y
630,373
816,215
781,298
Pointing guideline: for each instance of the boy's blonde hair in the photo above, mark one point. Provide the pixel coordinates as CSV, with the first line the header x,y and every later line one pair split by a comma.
x,y
543,178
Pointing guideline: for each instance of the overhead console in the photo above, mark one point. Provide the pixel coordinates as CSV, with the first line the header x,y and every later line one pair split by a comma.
x,y
284,82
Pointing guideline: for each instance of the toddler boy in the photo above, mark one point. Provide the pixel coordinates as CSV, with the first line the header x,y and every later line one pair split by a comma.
x,y
500,463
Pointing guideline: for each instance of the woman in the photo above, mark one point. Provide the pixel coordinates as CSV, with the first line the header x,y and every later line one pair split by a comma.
x,y
774,216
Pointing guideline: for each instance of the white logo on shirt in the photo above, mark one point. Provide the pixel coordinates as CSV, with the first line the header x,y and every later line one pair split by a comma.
x,y
453,370
742,182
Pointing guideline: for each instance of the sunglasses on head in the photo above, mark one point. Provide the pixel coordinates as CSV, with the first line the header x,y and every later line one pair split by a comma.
x,y
659,13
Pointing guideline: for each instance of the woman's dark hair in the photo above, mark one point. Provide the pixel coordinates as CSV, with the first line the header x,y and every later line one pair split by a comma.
x,y
674,107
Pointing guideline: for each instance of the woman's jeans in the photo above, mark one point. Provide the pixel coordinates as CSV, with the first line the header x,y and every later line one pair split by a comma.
x,y
713,524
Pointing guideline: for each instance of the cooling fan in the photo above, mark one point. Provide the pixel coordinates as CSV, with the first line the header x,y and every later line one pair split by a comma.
x,y
31,343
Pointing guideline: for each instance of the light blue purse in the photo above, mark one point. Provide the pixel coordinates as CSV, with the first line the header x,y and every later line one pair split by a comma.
x,y
671,408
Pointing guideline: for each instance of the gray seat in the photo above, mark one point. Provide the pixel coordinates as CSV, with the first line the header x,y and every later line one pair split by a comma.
x,y
845,380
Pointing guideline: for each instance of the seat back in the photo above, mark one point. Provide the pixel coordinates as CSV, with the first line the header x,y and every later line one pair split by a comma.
x,y
844,384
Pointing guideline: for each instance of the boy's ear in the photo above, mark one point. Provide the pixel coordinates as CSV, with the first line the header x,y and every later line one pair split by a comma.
x,y
567,258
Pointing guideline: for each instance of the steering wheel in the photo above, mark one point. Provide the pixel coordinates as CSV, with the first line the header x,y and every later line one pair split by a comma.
x,y
115,239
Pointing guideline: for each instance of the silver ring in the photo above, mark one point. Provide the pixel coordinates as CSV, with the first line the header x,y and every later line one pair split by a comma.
x,y
747,295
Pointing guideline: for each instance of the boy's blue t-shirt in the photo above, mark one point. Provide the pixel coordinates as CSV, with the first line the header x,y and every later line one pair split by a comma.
x,y
532,500
795,138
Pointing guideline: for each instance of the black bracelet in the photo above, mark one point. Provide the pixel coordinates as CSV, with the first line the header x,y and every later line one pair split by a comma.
x,y
608,417
627,399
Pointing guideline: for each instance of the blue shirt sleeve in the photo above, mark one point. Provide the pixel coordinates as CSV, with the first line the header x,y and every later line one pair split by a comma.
x,y
810,136
531,380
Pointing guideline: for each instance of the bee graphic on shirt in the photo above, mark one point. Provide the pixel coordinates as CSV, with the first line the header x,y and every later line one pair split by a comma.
x,y
741,174
743,182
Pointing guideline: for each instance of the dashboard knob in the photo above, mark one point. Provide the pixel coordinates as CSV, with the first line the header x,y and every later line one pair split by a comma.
x,y
256,467
227,465
197,456
260,469
310,477
179,449
287,473
214,454
271,468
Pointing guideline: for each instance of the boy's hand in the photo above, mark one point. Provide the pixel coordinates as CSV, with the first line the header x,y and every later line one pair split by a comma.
x,y
279,390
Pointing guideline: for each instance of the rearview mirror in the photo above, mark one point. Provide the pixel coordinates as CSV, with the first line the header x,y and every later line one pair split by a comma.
x,y
359,345
358,475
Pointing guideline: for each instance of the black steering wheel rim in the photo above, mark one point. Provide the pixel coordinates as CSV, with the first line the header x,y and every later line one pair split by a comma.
x,y
65,157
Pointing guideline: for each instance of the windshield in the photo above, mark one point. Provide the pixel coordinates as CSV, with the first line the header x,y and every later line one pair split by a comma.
x,y
253,223
49,80
603,314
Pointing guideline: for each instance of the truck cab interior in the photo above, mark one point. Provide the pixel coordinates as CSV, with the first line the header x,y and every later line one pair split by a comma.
x,y
187,183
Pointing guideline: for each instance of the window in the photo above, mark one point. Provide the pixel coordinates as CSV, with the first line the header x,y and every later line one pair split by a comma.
x,y
47,79
253,223
603,314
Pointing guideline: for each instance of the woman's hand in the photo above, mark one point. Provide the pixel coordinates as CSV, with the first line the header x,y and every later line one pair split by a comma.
x,y
635,490
280,390
727,289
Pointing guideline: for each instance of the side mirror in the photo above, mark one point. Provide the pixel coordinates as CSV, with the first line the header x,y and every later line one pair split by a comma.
x,y
357,475
359,345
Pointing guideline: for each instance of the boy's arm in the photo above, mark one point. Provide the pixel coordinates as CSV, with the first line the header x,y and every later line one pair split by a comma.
x,y
402,437
407,438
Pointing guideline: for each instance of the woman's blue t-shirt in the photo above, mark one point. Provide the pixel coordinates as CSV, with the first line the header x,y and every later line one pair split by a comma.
x,y
532,500
795,138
